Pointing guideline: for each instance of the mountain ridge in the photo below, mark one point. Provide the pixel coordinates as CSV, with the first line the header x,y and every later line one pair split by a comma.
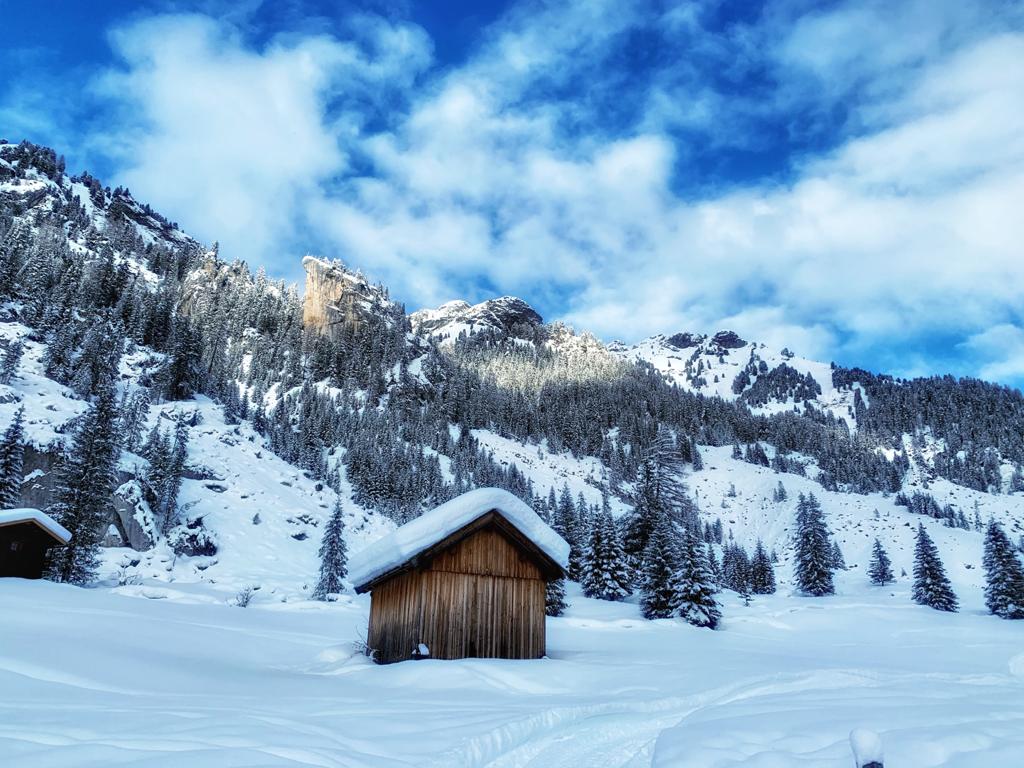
x,y
392,413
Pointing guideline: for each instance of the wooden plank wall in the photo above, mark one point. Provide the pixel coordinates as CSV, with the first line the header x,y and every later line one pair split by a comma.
x,y
482,598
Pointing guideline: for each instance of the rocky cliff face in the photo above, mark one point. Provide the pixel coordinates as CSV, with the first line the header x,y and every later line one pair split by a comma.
x,y
337,297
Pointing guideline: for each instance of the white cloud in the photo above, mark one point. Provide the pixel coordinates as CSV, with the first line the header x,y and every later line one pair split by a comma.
x,y
234,140
490,177
1001,350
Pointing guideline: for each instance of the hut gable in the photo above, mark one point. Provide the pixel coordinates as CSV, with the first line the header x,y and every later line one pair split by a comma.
x,y
438,529
25,535
55,530
468,582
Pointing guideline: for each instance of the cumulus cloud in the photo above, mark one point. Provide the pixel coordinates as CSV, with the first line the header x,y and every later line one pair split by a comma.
x,y
553,165
869,240
1001,351
234,139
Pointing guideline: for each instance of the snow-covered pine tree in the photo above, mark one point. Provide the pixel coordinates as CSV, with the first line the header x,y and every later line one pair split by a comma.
x,y
880,568
11,360
181,376
134,413
175,472
604,572
567,525
584,515
714,567
735,568
101,344
931,585
554,598
647,513
780,494
658,597
12,454
59,355
762,574
838,561
85,482
813,552
333,556
1004,575
694,588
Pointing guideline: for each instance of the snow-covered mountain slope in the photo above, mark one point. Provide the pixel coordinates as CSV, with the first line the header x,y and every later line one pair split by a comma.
x,y
742,496
33,182
728,366
506,314
265,515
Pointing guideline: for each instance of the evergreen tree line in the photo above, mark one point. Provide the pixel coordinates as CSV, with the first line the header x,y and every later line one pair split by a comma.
x,y
981,423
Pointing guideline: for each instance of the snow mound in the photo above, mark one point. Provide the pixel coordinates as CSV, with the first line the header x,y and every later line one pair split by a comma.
x,y
414,537
12,516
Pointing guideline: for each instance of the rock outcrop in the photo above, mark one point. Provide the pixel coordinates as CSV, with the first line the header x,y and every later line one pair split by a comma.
x,y
337,297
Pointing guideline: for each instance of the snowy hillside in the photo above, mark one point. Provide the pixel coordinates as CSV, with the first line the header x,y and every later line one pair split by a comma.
x,y
727,366
265,514
240,414
506,314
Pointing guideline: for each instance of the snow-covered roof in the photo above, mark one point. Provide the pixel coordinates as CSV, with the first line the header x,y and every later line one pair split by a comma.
x,y
404,543
12,516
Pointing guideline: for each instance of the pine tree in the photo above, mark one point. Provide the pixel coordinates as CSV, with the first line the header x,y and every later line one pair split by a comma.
x,y
779,494
567,525
880,569
182,374
12,454
658,598
735,568
714,568
762,574
82,495
175,473
59,355
604,574
554,598
838,561
813,553
333,556
647,511
134,413
694,587
11,360
931,586
1004,575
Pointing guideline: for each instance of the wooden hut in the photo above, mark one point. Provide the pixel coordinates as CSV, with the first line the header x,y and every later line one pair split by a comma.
x,y
464,580
25,535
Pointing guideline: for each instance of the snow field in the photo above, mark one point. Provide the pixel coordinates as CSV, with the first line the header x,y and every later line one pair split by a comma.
x,y
184,678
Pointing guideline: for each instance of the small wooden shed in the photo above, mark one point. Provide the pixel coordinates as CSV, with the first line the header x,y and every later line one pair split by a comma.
x,y
464,580
25,535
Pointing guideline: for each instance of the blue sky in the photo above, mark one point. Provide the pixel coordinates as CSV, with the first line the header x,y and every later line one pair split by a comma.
x,y
843,178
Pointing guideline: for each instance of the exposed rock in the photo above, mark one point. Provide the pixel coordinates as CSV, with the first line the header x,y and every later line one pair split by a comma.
x,y
728,340
192,539
685,340
336,297
113,537
37,489
134,517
